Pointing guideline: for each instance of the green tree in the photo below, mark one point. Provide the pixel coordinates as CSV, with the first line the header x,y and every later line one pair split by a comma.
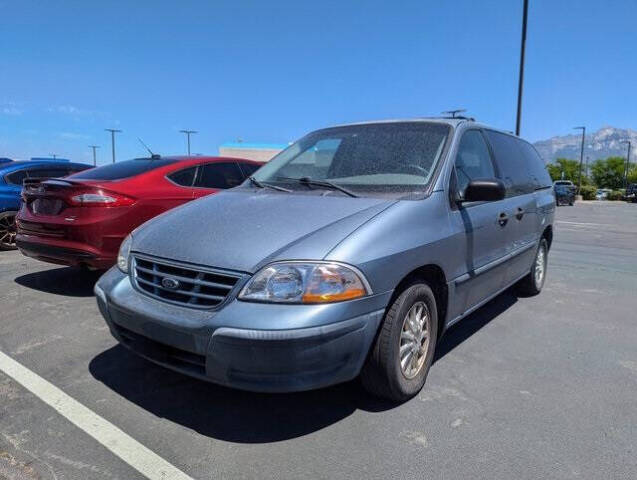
x,y
632,173
570,169
609,173
566,165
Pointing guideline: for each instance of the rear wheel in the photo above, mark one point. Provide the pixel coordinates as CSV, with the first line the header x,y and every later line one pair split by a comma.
x,y
532,284
7,230
398,364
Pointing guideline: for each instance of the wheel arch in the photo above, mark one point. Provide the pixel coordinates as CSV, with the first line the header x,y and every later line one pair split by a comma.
x,y
435,277
548,235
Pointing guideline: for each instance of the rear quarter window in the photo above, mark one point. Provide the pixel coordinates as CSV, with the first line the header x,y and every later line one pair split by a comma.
x,y
185,177
15,178
535,165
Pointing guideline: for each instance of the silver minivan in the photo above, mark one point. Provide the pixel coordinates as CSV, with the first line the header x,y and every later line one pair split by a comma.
x,y
349,253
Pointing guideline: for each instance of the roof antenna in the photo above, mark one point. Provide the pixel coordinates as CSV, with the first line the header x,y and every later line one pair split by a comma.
x,y
453,113
153,156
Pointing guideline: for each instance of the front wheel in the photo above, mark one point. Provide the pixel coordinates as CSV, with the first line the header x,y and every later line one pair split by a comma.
x,y
532,284
399,361
7,230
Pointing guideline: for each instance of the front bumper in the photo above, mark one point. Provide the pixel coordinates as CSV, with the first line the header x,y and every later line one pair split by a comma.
x,y
251,346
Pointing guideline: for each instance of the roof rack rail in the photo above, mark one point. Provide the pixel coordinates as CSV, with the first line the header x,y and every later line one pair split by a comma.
x,y
454,114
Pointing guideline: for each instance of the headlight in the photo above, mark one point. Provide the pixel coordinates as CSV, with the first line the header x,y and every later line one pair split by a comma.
x,y
292,282
124,252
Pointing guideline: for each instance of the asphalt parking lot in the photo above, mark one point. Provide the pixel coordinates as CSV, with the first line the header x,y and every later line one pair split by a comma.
x,y
542,387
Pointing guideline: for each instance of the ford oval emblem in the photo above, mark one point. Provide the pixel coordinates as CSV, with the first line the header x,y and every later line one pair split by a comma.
x,y
170,283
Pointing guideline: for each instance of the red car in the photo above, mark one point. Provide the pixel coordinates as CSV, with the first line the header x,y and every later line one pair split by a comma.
x,y
83,218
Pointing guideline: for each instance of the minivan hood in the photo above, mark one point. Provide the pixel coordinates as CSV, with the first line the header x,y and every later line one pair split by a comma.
x,y
244,229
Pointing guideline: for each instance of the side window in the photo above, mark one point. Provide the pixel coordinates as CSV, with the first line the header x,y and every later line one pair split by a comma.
x,y
473,160
185,177
219,175
511,163
249,168
535,165
16,178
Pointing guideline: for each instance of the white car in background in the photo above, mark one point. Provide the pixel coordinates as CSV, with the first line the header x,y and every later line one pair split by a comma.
x,y
602,193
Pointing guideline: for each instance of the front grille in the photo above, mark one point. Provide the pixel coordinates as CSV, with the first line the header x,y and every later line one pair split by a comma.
x,y
181,284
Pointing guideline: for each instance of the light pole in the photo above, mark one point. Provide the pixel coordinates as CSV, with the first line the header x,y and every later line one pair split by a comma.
x,y
188,133
521,77
113,132
581,158
53,155
94,157
627,163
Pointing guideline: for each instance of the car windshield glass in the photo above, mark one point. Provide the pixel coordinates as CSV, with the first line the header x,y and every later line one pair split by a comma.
x,y
121,170
393,159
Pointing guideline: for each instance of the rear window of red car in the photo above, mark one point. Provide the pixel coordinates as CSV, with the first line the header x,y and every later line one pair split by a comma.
x,y
125,169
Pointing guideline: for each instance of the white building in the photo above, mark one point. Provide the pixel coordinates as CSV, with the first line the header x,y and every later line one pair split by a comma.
x,y
261,152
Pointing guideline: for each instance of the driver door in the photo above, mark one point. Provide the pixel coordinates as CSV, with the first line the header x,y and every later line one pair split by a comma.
x,y
482,227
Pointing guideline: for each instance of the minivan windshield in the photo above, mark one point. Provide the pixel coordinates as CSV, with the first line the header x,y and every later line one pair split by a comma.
x,y
125,169
395,159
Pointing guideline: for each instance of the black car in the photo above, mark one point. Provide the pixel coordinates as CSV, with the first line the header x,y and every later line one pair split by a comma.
x,y
631,193
564,195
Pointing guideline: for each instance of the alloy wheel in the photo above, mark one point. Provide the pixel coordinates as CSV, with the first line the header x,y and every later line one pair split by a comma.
x,y
7,231
540,266
414,340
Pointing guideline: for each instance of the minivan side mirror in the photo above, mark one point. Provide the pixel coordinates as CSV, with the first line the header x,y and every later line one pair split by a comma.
x,y
484,190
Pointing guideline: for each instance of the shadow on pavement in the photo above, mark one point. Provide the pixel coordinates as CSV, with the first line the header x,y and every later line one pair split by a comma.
x,y
224,413
69,281
466,327
245,417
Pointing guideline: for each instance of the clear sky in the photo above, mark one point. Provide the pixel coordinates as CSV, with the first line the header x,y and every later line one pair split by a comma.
x,y
270,71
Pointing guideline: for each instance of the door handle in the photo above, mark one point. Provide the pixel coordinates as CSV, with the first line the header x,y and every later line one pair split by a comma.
x,y
503,218
519,213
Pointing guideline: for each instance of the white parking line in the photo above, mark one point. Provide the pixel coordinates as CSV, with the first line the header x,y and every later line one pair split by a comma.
x,y
582,223
125,447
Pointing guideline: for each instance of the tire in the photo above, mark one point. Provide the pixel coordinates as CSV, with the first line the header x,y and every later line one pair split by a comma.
x,y
382,374
571,203
7,230
532,284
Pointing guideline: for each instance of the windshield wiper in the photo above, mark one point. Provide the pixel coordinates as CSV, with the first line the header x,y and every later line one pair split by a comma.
x,y
267,185
321,183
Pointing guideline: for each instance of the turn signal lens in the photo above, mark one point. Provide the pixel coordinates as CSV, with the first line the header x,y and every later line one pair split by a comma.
x,y
291,282
333,283
124,253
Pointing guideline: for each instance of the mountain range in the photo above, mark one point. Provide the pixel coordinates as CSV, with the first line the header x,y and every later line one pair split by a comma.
x,y
605,142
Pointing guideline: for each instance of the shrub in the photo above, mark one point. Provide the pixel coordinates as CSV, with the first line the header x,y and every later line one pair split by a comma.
x,y
588,192
615,195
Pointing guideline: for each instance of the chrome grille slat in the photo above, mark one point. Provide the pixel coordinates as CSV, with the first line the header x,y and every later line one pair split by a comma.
x,y
189,280
193,293
195,287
